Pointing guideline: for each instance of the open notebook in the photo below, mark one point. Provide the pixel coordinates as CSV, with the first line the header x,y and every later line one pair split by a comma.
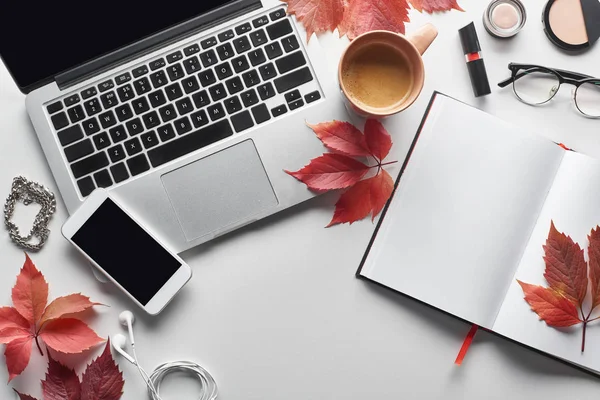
x,y
470,214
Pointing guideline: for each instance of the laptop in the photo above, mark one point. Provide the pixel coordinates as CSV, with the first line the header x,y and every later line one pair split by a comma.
x,y
187,111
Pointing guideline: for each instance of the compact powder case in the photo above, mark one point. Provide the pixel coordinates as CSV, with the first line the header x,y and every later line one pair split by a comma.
x,y
572,25
504,18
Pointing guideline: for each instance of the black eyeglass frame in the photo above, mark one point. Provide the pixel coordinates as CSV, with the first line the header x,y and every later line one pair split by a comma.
x,y
571,78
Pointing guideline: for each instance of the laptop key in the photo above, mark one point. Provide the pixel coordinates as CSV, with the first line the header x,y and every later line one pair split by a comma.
x,y
123,78
249,98
208,58
225,51
183,125
189,143
242,121
76,114
86,186
218,92
124,112
73,99
88,165
106,85
251,78
92,107
240,64
275,15
119,172
103,179
190,85
279,110
159,79
101,141
134,127
142,86
224,71
279,29
166,132
70,135
108,100
149,140
242,44
266,91
168,113
91,126
290,62
90,92
290,43
151,119
140,105
174,91
199,118
171,58
261,113
244,28
208,43
79,150
273,50
175,72
207,77
296,104
193,49
125,93
293,80
133,146
234,85
157,64
201,99
313,96
267,71
184,106
216,111
192,65
118,133
292,96
116,153
260,21
225,36
233,105
54,107
258,37
139,71
257,57
157,98
107,119
138,164
60,121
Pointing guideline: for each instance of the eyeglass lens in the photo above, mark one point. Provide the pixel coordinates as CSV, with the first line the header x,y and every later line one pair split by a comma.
x,y
536,87
587,98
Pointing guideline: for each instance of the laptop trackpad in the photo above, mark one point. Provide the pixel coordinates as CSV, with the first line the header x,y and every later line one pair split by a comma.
x,y
222,190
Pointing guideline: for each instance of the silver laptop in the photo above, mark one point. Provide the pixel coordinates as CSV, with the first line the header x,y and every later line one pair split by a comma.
x,y
188,111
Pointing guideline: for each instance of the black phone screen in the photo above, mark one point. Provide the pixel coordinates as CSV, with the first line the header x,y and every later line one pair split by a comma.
x,y
126,252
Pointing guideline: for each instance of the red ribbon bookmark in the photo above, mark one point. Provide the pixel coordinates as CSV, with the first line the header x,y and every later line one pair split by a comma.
x,y
465,347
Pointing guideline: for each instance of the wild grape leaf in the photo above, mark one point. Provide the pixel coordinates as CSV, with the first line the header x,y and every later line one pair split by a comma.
x,y
30,294
382,188
367,15
24,396
61,383
342,137
102,379
317,15
594,257
69,336
7,335
431,6
378,139
17,353
551,306
566,269
71,304
10,318
331,171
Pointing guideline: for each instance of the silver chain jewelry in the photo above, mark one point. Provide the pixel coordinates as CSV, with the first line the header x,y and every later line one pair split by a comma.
x,y
29,192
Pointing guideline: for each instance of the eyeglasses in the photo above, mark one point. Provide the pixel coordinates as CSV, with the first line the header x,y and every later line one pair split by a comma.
x,y
536,85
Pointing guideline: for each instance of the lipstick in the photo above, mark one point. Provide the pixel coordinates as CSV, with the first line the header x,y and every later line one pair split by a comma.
x,y
474,59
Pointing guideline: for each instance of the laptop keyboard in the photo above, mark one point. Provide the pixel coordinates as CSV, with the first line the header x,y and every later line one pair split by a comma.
x,y
188,99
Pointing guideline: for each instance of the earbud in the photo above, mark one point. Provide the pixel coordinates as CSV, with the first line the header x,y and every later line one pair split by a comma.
x,y
118,343
126,318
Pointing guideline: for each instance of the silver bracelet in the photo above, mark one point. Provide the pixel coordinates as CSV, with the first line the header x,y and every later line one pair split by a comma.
x,y
29,192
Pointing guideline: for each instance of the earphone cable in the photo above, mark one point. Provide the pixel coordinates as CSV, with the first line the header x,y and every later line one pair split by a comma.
x,y
145,376
208,389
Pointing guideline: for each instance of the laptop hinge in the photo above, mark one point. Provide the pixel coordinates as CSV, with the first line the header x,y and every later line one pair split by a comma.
x,y
156,41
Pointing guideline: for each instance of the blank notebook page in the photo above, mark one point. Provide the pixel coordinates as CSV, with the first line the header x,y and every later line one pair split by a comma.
x,y
463,212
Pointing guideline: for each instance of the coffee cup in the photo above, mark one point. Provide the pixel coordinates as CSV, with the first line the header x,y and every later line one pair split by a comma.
x,y
381,73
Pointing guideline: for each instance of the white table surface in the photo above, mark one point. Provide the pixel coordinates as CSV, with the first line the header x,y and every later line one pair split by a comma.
x,y
274,310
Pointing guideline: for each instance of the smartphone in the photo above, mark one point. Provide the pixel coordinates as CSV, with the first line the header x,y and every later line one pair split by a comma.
x,y
126,252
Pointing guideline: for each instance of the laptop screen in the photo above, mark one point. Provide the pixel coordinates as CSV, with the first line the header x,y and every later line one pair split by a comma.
x,y
41,39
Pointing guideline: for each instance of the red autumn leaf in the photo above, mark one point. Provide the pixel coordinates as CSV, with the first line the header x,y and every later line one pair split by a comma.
x,y
432,6
343,138
17,353
10,318
317,15
555,309
24,396
367,15
30,294
364,198
566,269
594,257
61,383
7,335
69,335
102,379
71,304
378,139
331,171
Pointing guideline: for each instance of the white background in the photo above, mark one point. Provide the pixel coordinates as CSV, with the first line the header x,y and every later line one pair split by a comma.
x,y
274,310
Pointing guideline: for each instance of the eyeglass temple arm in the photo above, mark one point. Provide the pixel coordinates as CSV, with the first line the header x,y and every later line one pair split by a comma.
x,y
528,68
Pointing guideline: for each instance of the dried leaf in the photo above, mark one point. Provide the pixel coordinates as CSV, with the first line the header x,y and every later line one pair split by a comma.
x,y
317,15
69,335
367,15
102,379
70,304
10,318
331,171
30,294
566,269
382,188
343,138
7,335
61,383
24,396
594,257
17,353
552,307
378,139
431,6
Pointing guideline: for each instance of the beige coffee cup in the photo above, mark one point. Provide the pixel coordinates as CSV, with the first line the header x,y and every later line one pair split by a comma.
x,y
381,73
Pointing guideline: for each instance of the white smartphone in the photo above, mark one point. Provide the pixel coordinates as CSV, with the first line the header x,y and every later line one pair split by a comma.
x,y
126,253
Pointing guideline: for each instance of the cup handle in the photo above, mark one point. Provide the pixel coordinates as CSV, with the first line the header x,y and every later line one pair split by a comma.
x,y
423,37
